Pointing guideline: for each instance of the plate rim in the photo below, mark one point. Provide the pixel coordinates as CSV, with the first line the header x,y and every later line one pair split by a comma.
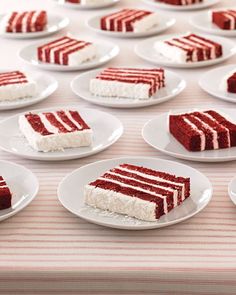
x,y
143,227
229,190
86,6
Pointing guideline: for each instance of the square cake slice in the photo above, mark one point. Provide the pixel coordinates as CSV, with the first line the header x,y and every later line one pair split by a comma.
x,y
15,85
137,192
57,130
199,131
190,48
66,51
5,195
129,20
128,82
25,22
225,19
180,2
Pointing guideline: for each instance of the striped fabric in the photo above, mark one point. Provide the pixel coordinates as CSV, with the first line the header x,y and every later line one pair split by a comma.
x,y
45,250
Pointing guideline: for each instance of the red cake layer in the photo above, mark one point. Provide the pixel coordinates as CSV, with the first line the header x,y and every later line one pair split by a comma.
x,y
27,21
123,20
231,83
14,77
198,131
65,122
154,77
146,184
225,19
5,195
180,2
61,49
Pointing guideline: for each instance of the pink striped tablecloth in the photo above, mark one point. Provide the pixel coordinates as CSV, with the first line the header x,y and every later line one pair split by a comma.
x,y
46,250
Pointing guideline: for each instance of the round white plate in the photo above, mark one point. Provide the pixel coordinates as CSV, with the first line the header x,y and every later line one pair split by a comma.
x,y
204,4
202,21
107,129
162,140
102,4
46,85
175,84
232,190
70,193
106,51
146,50
165,23
211,82
55,24
23,185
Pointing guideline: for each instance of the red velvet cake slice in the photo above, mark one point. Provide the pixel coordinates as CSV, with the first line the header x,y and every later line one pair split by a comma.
x,y
66,51
128,82
199,131
180,2
225,19
129,20
25,22
137,192
5,195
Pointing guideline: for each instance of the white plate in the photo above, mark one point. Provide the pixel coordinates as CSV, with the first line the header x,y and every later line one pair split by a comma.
x,y
165,23
23,185
70,193
146,50
106,51
107,129
175,84
55,24
211,83
103,4
232,190
162,140
202,21
204,4
46,85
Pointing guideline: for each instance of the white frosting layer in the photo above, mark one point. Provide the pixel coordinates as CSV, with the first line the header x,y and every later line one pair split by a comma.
x,y
87,53
172,53
146,23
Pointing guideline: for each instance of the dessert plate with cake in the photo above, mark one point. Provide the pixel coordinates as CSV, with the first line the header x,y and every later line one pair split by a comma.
x,y
181,5
189,50
20,89
124,87
68,53
135,193
31,24
221,21
220,83
204,135
232,190
129,23
62,133
18,187
87,4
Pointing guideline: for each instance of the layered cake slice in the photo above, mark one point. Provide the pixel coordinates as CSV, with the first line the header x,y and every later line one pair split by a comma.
x,y
5,195
190,48
137,192
15,84
129,20
25,22
180,2
50,131
66,51
199,131
128,82
228,83
225,19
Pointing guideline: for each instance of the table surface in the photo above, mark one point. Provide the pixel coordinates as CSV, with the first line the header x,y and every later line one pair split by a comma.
x,y
46,250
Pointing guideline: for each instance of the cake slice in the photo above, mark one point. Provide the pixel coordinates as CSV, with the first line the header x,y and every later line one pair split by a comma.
x,y
225,19
128,82
15,85
137,192
24,22
66,51
228,83
180,2
50,131
199,131
129,20
5,195
190,48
